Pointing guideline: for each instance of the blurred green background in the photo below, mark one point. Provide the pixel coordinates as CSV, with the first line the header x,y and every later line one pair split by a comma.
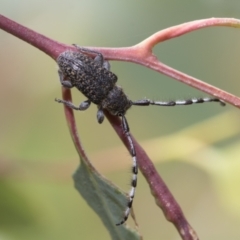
x,y
196,148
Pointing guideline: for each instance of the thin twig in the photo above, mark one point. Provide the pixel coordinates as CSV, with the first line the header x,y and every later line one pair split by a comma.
x,y
160,191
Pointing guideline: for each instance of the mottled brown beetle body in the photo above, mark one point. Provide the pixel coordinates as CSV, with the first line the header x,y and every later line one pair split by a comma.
x,y
93,78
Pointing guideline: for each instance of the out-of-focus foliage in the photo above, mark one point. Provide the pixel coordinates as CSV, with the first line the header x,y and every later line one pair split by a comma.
x,y
105,199
195,148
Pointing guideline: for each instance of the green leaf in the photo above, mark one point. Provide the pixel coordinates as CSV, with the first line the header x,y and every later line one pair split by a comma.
x,y
105,199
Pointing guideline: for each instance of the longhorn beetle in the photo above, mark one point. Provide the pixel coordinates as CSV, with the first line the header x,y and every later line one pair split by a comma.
x,y
94,79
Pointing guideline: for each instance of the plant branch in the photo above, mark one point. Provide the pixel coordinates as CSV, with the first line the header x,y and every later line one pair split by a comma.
x,y
181,29
142,54
160,191
43,43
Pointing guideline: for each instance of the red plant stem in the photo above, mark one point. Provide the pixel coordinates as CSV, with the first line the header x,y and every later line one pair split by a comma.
x,y
178,30
160,191
194,82
69,114
140,53
43,43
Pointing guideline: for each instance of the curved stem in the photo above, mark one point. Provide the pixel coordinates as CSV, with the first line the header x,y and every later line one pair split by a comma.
x,y
181,29
159,189
142,54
